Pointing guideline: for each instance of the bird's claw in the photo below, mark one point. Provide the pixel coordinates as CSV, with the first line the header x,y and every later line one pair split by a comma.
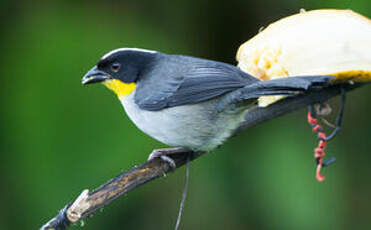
x,y
162,156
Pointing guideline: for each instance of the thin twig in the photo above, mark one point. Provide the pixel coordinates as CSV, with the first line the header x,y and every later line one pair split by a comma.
x,y
89,202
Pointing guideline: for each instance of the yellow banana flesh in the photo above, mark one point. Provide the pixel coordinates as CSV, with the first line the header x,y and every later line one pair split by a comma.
x,y
318,42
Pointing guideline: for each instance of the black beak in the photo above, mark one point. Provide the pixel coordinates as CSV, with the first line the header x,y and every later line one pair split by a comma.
x,y
94,76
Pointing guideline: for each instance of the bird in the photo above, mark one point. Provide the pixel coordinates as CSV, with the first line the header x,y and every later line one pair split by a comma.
x,y
188,103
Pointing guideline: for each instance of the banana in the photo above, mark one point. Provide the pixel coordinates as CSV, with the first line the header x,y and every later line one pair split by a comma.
x,y
318,42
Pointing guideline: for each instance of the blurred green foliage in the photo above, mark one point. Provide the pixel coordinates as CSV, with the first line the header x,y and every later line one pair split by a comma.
x,y
59,137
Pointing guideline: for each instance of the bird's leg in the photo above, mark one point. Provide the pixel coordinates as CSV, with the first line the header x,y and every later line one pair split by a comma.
x,y
319,152
163,154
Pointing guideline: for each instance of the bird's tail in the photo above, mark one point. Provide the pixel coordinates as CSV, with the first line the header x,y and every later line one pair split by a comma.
x,y
289,86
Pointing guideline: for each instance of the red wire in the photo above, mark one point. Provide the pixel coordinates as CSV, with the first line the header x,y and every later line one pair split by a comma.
x,y
319,152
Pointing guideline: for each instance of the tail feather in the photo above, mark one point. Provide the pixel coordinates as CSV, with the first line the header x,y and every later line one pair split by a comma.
x,y
289,86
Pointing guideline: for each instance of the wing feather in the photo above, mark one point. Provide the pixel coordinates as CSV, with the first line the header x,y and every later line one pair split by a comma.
x,y
182,80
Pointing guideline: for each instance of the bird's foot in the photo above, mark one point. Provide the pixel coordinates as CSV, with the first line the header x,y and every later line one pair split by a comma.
x,y
163,154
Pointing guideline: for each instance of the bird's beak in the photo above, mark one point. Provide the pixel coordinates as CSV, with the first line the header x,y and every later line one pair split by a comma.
x,y
94,76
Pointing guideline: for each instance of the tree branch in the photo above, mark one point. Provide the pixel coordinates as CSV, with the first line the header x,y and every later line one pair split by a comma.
x,y
88,202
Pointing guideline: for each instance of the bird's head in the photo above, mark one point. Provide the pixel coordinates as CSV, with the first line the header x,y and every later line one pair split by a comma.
x,y
119,69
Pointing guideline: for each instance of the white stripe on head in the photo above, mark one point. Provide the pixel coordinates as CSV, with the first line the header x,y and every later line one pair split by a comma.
x,y
128,49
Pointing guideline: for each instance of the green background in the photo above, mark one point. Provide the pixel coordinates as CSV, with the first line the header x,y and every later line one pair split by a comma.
x,y
58,137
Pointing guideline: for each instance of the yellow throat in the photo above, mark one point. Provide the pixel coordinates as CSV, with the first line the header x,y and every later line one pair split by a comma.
x,y
120,88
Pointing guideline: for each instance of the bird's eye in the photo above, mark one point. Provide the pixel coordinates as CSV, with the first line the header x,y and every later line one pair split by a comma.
x,y
115,67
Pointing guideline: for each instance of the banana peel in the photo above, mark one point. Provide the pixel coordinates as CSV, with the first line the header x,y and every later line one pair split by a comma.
x,y
318,42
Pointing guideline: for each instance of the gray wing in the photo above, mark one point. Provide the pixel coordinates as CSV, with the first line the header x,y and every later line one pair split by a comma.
x,y
289,86
181,80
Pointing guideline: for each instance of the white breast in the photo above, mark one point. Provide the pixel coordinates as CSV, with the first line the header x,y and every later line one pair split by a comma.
x,y
197,127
